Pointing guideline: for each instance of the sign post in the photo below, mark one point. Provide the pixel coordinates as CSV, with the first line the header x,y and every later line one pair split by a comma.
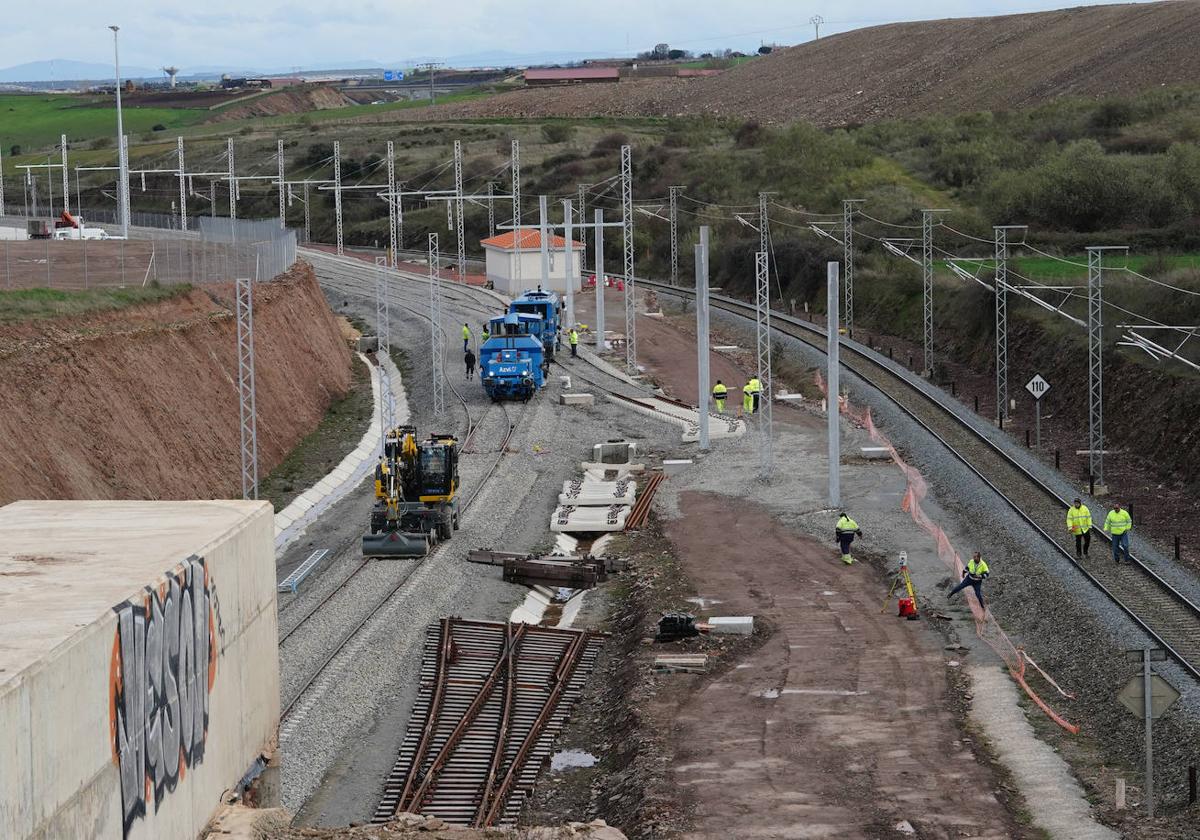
x,y
1149,696
1039,388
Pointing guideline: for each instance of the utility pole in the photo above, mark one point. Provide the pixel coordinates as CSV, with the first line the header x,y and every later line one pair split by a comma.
x,y
544,237
703,386
282,186
183,185
568,249
337,192
849,205
383,329
832,387
627,241
2,210
392,197
673,192
307,216
435,312
122,159
1096,360
232,185
431,66
598,256
1000,233
66,178
928,219
458,212
763,336
247,409
491,204
582,205
816,21
518,239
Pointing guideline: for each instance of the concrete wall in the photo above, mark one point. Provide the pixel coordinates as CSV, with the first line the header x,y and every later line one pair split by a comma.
x,y
501,269
136,716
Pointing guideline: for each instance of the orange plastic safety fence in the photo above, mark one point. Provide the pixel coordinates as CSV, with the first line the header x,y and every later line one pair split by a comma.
x,y
986,626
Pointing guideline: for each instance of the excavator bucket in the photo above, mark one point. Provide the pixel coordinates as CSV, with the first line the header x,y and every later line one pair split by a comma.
x,y
395,544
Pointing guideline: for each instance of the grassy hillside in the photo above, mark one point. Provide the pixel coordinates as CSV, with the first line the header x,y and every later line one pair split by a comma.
x,y
35,122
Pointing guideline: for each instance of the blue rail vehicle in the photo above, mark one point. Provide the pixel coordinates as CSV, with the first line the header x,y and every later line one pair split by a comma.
x,y
512,362
546,305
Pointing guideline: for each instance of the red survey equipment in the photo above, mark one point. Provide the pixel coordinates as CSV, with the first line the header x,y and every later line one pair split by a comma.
x,y
907,603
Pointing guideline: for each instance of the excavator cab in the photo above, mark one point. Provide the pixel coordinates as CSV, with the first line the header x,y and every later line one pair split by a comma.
x,y
438,469
416,485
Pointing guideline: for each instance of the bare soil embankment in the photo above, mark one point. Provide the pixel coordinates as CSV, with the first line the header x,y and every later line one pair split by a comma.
x,y
299,100
903,69
143,402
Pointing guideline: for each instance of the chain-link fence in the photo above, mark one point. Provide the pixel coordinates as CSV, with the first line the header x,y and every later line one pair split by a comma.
x,y
218,251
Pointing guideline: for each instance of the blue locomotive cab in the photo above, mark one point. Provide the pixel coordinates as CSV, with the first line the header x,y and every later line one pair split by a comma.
x,y
547,306
512,362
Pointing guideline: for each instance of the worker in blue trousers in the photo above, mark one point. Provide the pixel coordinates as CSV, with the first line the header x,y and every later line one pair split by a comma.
x,y
974,574
844,533
1118,523
466,337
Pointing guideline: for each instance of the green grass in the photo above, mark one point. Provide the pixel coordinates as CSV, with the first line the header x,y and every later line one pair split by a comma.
x,y
33,304
1048,268
35,122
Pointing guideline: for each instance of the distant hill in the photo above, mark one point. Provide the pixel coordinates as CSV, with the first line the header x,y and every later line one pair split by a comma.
x,y
62,69
903,69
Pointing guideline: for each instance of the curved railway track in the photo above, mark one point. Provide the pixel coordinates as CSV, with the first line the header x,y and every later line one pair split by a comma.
x,y
1161,610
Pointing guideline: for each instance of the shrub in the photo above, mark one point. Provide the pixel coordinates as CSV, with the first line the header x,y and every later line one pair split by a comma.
x,y
158,127
748,135
557,132
610,143
14,150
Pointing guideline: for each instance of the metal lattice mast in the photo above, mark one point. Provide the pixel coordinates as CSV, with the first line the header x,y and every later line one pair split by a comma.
x,y
1001,291
183,185
516,213
849,205
383,329
568,253
928,219
1096,360
248,412
391,202
66,179
337,192
2,209
307,216
627,243
673,192
458,212
123,193
491,204
282,185
232,183
400,219
544,240
598,256
437,354
582,190
762,303
764,227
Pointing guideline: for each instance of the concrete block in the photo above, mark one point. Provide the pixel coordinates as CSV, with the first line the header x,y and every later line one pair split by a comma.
x,y
732,625
576,398
368,343
876,453
565,382
676,466
682,663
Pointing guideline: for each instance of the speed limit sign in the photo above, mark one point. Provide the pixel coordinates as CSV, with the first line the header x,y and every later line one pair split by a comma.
x,y
1037,386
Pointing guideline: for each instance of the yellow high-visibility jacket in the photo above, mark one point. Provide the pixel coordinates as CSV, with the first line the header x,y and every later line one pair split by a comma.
x,y
1118,523
978,571
1079,519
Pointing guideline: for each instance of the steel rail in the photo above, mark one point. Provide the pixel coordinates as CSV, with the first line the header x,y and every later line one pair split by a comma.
x,y
869,369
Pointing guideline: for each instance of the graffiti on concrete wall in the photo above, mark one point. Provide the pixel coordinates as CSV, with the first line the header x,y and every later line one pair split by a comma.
x,y
164,661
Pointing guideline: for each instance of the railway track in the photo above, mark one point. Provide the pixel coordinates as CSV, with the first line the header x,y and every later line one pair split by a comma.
x,y
492,699
509,427
1165,613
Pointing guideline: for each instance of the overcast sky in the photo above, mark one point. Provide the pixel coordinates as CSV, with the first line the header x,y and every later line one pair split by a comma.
x,y
308,33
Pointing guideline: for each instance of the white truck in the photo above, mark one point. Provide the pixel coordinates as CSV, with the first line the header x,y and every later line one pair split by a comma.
x,y
73,227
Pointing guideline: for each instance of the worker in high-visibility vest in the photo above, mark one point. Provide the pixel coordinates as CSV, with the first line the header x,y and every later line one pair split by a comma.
x,y
574,339
719,393
844,533
756,391
466,337
1079,523
750,392
1118,523
486,333
974,574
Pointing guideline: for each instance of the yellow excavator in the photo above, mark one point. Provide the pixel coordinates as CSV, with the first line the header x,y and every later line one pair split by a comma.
x,y
416,495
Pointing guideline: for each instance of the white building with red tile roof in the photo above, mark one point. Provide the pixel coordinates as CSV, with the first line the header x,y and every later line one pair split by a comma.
x,y
505,252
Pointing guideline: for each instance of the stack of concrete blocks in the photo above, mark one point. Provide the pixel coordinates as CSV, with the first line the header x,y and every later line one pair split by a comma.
x,y
602,499
139,670
720,426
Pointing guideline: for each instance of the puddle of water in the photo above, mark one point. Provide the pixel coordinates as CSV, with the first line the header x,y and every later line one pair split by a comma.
x,y
570,759
704,603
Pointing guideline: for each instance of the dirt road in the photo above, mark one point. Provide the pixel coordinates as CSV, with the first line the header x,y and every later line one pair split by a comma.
x,y
840,725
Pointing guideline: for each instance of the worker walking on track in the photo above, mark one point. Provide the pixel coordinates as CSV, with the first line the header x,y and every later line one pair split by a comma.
x,y
719,393
574,339
1118,523
469,361
1079,523
974,574
466,337
844,533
